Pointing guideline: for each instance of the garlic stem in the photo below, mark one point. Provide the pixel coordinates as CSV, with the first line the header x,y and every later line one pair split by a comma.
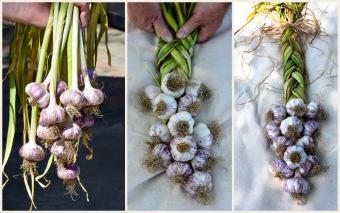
x,y
75,24
83,65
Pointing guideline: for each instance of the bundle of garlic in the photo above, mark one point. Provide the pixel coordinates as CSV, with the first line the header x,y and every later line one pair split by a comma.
x,y
65,103
178,144
292,130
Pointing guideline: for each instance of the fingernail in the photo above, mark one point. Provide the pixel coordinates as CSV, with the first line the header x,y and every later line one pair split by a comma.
x,y
180,34
168,38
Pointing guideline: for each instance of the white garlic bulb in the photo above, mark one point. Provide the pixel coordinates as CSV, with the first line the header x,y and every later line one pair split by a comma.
x,y
203,136
307,143
164,106
198,89
312,110
152,91
291,127
276,113
200,160
181,124
161,131
295,156
173,84
183,149
310,127
190,104
178,171
296,107
199,183
272,130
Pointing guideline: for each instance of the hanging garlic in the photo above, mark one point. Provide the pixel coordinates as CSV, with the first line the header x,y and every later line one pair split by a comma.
x,y
71,131
199,185
198,89
280,144
272,131
280,169
53,114
178,172
164,106
48,133
297,187
276,114
181,124
93,96
86,120
61,86
38,94
160,132
190,104
203,136
310,127
296,107
183,149
307,143
32,152
147,96
291,127
294,156
160,159
72,98
173,84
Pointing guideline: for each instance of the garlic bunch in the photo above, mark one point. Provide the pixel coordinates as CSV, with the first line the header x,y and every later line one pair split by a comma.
x,y
183,149
173,84
164,106
181,124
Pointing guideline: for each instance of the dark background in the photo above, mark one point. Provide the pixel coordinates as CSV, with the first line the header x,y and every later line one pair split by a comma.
x,y
103,176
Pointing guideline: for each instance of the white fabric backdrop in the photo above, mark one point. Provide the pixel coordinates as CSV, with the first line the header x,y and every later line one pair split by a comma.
x,y
212,64
255,187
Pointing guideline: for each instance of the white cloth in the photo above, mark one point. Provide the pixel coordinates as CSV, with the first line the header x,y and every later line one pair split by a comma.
x,y
212,65
255,187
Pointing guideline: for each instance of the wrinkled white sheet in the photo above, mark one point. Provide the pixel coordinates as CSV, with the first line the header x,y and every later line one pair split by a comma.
x,y
255,188
212,64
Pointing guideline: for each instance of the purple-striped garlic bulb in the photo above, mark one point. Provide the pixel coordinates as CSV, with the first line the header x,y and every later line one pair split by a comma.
x,y
173,84
280,144
181,124
190,104
183,149
48,133
203,161
198,89
295,156
71,131
178,172
310,127
68,171
61,87
53,114
307,143
292,127
203,136
296,107
164,106
72,99
160,159
297,187
58,149
312,110
280,169
276,114
160,132
86,120
38,94
147,96
93,96
32,152
199,185
272,131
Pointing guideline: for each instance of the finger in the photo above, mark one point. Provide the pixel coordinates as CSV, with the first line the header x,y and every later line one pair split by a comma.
x,y
188,27
162,29
84,13
205,33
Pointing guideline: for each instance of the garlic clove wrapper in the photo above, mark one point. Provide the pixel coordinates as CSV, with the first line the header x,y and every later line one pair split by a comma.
x,y
164,106
181,124
71,131
276,114
73,97
178,171
173,84
183,149
53,114
48,133
203,136
190,104
291,127
199,185
310,127
294,156
32,152
161,131
198,89
296,107
68,171
38,94
280,144
280,169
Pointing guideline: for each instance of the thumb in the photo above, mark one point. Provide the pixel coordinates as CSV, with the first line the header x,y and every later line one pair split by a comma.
x,y
188,27
162,29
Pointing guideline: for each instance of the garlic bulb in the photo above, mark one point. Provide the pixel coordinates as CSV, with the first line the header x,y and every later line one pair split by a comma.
x,y
306,167
68,171
164,106
203,161
178,171
297,185
53,114
147,96
190,104
48,133
71,131
58,149
272,131
198,89
61,87
294,156
31,151
160,131
310,127
163,152
93,96
203,136
181,124
38,94
307,143
183,149
73,97
312,110
280,144
173,84
276,113
199,185
280,169
296,107
291,127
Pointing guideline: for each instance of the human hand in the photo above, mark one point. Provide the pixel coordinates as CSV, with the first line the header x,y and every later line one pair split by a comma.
x,y
37,13
148,17
206,17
